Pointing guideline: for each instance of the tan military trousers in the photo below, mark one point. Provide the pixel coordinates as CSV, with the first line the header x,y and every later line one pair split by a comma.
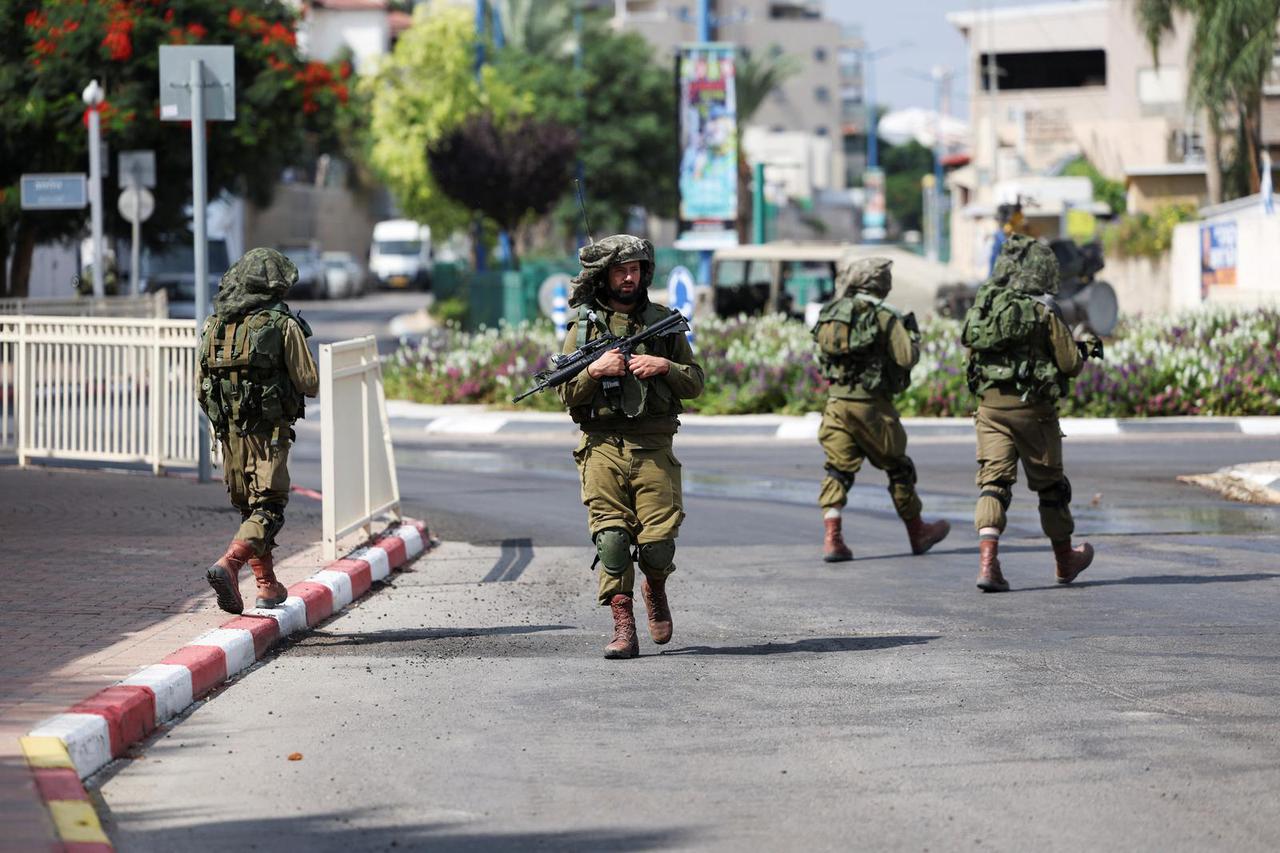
x,y
856,430
257,478
1032,434
633,485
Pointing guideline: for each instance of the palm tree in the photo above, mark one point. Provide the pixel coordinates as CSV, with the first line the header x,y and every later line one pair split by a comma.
x,y
537,27
1233,43
754,80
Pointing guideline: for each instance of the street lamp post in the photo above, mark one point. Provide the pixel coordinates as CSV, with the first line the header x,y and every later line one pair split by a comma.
x,y
93,97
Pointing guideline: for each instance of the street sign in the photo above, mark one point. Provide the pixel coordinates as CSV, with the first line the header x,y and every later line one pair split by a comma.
x,y
680,294
547,293
219,70
137,168
55,191
136,204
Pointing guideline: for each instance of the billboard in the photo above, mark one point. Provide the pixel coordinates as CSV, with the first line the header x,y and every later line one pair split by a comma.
x,y
1217,255
873,206
708,147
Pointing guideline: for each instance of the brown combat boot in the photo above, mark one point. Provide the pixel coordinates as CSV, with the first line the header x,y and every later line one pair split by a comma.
x,y
625,644
833,548
655,603
271,593
924,535
224,575
990,578
1071,561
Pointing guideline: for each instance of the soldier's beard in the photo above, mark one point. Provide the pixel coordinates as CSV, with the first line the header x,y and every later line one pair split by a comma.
x,y
624,298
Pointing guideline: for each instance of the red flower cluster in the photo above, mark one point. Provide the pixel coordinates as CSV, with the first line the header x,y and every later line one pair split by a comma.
x,y
119,27
47,44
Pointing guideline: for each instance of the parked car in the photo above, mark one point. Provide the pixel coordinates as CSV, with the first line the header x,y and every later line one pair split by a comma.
x,y
400,256
343,275
172,269
311,276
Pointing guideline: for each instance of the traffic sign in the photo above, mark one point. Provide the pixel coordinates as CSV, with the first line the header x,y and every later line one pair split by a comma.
x,y
136,204
137,168
54,191
547,293
680,294
219,71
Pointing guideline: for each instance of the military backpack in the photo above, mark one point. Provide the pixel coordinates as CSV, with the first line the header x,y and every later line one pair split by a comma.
x,y
852,347
246,385
1007,334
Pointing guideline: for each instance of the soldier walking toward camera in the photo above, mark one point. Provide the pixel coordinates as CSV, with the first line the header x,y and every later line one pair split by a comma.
x,y
1021,360
627,410
254,370
867,350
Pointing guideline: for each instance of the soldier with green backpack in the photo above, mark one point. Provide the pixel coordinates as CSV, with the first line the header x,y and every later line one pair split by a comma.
x,y
866,351
254,370
1021,361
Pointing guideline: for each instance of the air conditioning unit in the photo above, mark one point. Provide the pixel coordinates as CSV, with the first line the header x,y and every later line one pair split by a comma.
x,y
1186,146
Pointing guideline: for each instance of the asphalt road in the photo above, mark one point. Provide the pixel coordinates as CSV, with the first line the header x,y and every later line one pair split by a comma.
x,y
881,704
340,319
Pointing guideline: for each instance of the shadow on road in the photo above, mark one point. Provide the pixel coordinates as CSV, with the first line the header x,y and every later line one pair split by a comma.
x,y
1159,580
816,644
942,552
367,638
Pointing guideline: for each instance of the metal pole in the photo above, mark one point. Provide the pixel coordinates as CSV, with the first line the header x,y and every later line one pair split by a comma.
x,y
134,252
757,204
200,244
704,20
869,73
95,199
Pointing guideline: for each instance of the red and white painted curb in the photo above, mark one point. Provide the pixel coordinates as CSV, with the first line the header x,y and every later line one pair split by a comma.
x,y
105,725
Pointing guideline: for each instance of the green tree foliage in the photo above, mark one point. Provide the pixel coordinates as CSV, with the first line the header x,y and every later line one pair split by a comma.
x,y
507,173
427,89
286,108
1104,189
1233,43
904,166
1146,235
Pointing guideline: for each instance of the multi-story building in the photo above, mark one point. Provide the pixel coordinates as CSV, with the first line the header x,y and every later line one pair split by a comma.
x,y
811,102
853,106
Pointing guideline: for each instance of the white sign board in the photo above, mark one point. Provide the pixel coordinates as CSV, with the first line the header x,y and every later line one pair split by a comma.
x,y
357,461
137,168
136,204
219,72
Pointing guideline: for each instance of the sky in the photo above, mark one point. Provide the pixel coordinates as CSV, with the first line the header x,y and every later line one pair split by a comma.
x,y
929,41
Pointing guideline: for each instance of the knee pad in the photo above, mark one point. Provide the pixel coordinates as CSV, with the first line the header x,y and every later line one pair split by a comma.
x,y
658,556
1056,496
613,549
844,478
1000,490
904,474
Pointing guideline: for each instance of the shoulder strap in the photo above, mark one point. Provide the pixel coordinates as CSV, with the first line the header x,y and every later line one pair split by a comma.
x,y
583,324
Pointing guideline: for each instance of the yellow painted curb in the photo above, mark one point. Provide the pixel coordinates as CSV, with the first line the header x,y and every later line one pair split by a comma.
x,y
46,753
77,821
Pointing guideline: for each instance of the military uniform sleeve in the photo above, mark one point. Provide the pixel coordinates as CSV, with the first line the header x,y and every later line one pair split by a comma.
x,y
579,390
903,349
685,378
302,367
1065,353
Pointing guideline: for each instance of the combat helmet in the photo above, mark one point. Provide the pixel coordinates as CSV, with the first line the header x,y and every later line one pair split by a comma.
x,y
261,277
1036,271
602,254
864,275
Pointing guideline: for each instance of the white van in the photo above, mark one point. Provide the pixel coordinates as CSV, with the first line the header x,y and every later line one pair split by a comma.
x,y
400,256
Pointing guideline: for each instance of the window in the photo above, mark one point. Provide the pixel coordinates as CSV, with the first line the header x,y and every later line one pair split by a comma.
x,y
1058,69
821,131
822,94
819,54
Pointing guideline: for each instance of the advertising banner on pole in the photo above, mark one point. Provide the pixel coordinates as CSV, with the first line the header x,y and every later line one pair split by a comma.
x,y
708,147
873,208
1217,255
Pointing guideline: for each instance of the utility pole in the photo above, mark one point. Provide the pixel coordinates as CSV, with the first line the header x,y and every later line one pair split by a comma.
x,y
93,98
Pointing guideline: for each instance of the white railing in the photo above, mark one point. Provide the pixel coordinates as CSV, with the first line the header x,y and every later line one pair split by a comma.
x,y
99,389
357,462
147,305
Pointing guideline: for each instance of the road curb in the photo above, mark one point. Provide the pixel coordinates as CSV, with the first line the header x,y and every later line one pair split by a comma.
x,y
67,748
479,421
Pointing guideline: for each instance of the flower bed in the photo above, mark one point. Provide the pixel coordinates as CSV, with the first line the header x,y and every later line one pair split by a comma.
x,y
1211,362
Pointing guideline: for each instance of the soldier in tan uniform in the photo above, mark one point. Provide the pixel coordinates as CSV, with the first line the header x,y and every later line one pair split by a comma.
x,y
1021,360
866,350
627,410
254,371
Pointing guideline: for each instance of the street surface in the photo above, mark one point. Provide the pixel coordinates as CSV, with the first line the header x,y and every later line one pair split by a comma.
x,y
879,704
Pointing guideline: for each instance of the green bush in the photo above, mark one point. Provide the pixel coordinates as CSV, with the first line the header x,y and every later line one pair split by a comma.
x,y
1145,235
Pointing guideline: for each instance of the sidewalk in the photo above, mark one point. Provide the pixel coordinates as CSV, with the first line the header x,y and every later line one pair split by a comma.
x,y
103,573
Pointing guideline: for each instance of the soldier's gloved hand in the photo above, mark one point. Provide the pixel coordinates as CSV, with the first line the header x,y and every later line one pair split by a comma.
x,y
1090,346
610,364
648,366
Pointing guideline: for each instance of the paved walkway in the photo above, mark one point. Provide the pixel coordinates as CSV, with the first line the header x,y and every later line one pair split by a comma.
x,y
103,573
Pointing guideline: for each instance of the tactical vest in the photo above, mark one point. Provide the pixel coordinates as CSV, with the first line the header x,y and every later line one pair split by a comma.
x,y
633,398
853,350
247,386
1007,334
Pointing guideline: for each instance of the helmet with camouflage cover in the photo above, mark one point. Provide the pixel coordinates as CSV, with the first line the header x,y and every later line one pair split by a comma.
x,y
864,275
604,253
1012,251
1036,272
259,278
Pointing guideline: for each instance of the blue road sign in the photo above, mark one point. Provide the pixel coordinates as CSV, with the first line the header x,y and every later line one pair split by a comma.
x,y
55,191
680,295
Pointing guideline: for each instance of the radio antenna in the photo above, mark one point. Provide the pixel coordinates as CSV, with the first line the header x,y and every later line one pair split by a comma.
x,y
582,204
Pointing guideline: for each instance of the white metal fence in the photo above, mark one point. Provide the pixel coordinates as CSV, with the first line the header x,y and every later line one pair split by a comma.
x,y
100,389
357,462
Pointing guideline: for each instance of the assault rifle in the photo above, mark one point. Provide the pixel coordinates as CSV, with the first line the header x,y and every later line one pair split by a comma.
x,y
565,367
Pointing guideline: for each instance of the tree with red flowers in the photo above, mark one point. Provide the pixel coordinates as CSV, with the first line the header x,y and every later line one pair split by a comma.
x,y
288,110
